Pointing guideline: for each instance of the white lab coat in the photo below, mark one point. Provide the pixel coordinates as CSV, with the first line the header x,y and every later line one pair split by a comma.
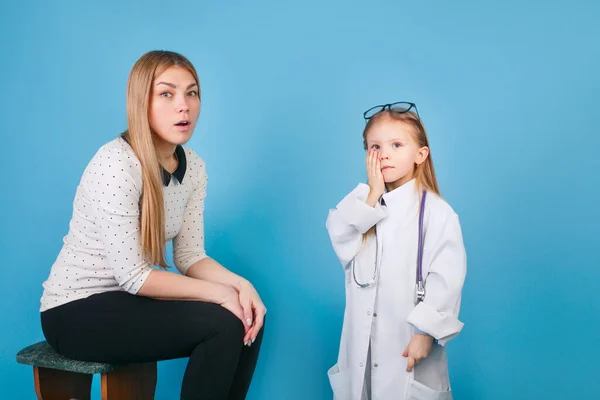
x,y
384,315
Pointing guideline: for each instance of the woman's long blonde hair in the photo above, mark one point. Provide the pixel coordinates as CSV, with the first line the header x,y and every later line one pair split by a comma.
x,y
423,173
140,137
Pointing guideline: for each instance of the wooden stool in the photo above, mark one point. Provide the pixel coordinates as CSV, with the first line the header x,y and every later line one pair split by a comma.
x,y
60,378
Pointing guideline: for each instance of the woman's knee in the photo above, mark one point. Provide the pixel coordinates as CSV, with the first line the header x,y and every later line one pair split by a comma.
x,y
225,324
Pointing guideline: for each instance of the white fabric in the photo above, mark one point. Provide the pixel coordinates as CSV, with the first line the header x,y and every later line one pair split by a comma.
x,y
385,313
102,250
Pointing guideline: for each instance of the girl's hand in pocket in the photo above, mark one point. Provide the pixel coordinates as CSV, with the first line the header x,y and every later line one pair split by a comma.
x,y
418,349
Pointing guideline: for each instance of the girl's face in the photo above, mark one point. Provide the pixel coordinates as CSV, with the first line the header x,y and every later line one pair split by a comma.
x,y
174,106
397,150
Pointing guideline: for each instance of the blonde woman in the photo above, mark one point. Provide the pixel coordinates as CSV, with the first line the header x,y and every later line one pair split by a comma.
x,y
103,300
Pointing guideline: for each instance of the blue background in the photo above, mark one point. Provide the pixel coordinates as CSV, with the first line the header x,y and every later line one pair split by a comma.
x,y
507,90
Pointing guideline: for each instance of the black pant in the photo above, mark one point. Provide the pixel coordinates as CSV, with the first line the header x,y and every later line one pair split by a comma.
x,y
118,327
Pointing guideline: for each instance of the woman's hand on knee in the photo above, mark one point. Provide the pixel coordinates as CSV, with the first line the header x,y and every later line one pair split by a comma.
x,y
231,302
254,311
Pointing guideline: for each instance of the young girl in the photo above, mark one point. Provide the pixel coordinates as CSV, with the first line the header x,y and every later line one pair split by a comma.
x,y
393,345
103,300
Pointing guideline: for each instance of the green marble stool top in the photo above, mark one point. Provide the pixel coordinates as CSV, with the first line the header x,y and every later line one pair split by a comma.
x,y
42,355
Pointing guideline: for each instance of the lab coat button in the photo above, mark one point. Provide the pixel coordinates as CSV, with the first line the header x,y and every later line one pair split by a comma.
x,y
368,312
375,365
374,314
361,364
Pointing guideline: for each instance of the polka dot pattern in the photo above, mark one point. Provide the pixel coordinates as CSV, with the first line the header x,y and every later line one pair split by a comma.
x,y
102,250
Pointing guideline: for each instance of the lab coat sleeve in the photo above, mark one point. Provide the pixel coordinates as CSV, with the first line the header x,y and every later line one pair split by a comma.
x,y
437,315
351,219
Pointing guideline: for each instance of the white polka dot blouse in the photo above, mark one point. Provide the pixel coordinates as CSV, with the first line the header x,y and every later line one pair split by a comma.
x,y
102,250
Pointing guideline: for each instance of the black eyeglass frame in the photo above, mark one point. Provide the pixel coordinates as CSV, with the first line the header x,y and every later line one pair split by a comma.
x,y
392,107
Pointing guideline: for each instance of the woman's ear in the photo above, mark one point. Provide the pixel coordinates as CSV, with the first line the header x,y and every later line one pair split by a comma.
x,y
422,155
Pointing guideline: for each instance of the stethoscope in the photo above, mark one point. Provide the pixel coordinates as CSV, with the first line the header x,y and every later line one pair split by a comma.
x,y
372,281
420,294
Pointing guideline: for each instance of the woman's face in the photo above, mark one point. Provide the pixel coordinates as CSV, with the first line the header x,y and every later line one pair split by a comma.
x,y
174,105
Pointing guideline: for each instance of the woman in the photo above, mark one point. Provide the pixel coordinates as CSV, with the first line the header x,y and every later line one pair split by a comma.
x,y
103,300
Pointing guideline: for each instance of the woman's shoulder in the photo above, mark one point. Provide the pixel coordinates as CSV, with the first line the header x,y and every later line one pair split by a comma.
x,y
116,152
195,164
115,160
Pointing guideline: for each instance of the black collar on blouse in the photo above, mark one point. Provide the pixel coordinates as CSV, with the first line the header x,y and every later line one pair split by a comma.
x,y
179,173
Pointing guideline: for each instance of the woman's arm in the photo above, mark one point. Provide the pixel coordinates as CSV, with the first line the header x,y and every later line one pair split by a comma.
x,y
189,254
164,285
172,286
209,269
114,188
200,274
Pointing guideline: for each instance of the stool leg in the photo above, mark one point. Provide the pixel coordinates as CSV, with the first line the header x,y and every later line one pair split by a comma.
x,y
54,384
131,382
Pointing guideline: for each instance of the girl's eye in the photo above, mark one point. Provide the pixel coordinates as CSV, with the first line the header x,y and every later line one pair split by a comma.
x,y
375,147
397,145
193,93
165,94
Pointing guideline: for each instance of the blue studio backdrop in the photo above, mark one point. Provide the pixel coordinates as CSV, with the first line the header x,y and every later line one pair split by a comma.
x,y
508,93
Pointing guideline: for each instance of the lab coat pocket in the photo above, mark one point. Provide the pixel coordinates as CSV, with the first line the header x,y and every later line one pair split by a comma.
x,y
418,391
339,383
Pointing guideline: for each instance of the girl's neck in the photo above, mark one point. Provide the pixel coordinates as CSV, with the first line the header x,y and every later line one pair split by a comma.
x,y
395,185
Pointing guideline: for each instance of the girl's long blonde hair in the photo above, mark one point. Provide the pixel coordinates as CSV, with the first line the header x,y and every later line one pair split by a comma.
x,y
140,137
423,173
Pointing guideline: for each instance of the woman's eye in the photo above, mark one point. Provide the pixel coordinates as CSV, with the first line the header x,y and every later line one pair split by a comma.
x,y
165,94
193,93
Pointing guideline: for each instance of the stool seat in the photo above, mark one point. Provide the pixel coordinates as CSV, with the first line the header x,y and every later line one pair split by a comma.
x,y
56,377
42,355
